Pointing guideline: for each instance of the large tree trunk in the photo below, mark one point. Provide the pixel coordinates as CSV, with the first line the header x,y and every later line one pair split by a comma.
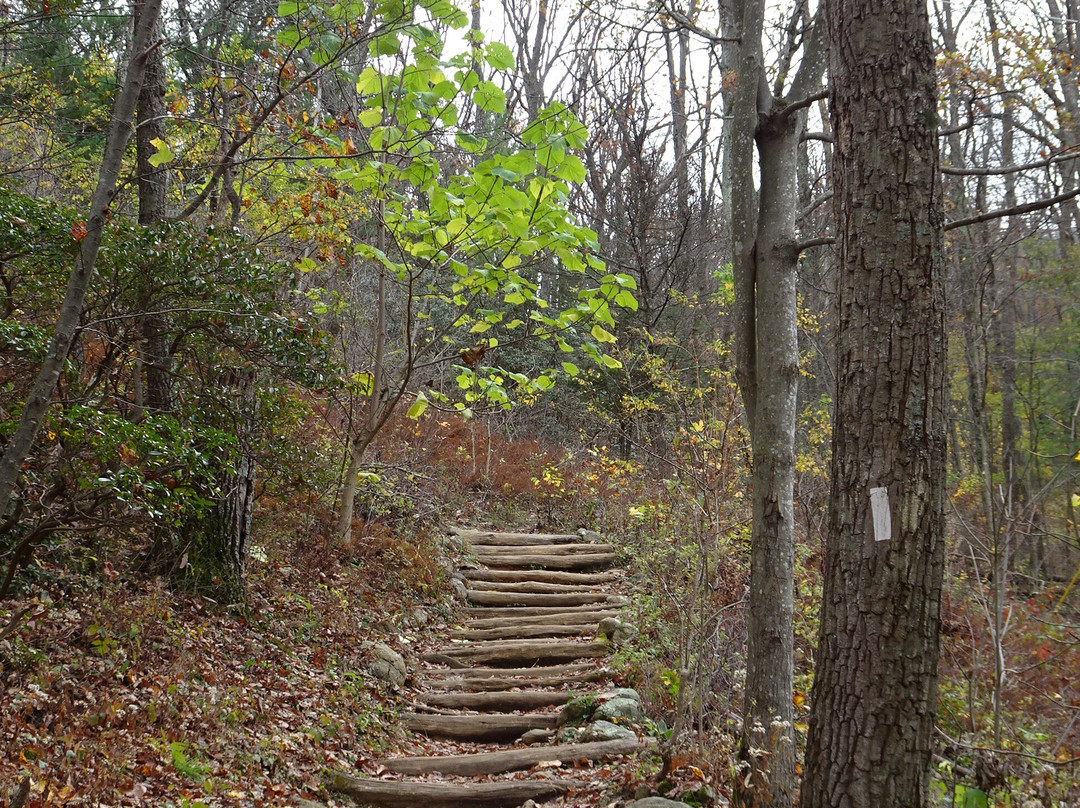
x,y
71,309
875,687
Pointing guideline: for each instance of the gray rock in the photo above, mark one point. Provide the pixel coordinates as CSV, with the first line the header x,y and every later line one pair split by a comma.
x,y
627,711
621,693
387,664
605,731
535,736
657,802
420,617
576,710
460,590
616,630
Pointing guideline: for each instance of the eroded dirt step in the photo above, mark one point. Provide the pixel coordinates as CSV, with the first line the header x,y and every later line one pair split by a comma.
x,y
483,598
510,760
517,700
584,561
477,727
524,652
544,576
411,793
480,550
513,539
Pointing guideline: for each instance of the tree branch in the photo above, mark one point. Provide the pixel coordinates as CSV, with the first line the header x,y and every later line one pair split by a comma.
x,y
1018,210
994,171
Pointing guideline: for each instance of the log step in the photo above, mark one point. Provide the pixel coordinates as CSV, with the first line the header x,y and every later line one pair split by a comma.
x,y
408,794
514,539
481,598
533,587
481,550
496,701
524,632
533,611
558,618
545,576
512,759
479,728
584,561
534,671
520,652
494,685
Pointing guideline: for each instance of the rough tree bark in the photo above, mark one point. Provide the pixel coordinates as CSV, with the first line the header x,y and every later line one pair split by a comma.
x,y
67,321
876,679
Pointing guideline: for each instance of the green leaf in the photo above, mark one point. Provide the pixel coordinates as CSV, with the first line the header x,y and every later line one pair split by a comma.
x,y
626,299
499,56
370,117
611,362
418,408
570,369
369,82
602,336
470,143
505,173
490,97
545,382
288,8
162,155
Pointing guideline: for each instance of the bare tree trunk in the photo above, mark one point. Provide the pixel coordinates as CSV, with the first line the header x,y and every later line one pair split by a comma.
x,y
875,686
765,258
150,117
374,411
71,309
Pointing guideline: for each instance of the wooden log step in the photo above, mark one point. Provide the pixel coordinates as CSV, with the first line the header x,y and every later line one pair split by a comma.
x,y
520,652
514,539
545,576
536,670
481,598
488,685
532,587
408,794
567,618
480,728
584,561
496,701
481,550
512,759
524,632
532,611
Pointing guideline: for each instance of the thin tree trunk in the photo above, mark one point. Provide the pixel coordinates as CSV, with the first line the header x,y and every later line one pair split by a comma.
x,y
79,281
765,260
150,114
875,687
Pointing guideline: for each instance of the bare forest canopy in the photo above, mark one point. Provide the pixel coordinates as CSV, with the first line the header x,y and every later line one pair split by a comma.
x,y
283,282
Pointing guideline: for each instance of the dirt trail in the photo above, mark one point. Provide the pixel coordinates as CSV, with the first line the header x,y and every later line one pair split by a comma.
x,y
526,645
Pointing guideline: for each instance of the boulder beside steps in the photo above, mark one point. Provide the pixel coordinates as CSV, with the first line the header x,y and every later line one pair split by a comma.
x,y
527,647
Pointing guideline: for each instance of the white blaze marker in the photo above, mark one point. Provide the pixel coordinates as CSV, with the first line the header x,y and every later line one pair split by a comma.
x,y
879,506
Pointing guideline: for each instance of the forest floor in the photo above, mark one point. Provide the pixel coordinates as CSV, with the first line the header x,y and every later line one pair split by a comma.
x,y
120,692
